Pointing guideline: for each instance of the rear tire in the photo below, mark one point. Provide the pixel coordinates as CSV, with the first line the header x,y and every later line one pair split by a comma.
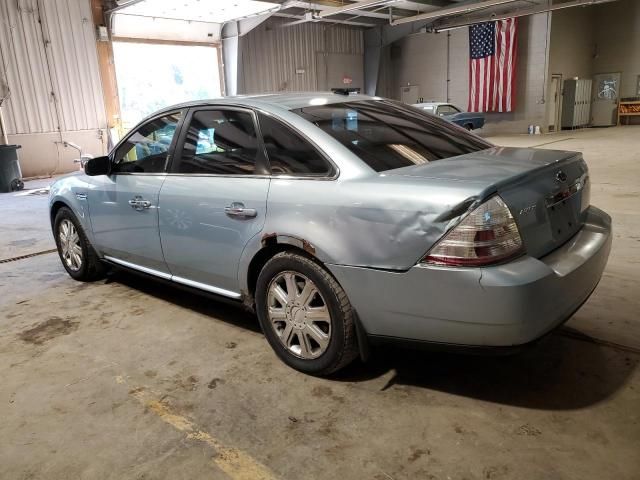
x,y
305,315
468,127
78,256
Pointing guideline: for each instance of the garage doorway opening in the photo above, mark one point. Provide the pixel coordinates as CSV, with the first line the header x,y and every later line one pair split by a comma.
x,y
154,75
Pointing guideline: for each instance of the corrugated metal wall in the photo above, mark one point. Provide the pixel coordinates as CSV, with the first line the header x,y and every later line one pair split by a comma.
x,y
29,108
271,55
66,67
48,59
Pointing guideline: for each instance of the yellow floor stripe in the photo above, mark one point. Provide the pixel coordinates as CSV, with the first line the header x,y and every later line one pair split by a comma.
x,y
235,463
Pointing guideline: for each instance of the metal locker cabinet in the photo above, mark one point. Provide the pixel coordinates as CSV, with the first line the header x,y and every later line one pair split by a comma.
x,y
580,99
576,103
589,83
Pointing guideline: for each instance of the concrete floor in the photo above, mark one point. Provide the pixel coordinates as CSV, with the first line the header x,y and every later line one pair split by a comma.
x,y
128,379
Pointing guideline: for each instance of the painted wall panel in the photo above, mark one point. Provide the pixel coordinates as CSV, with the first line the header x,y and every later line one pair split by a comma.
x,y
276,58
420,66
617,43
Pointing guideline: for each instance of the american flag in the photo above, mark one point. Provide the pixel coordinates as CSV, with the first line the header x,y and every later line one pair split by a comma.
x,y
492,66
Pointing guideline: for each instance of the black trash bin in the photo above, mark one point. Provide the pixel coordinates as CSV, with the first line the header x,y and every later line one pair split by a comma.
x,y
10,173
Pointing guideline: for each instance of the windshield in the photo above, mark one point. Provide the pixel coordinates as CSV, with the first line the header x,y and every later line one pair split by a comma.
x,y
388,135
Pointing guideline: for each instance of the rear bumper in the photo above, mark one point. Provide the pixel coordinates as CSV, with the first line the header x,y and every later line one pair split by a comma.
x,y
501,306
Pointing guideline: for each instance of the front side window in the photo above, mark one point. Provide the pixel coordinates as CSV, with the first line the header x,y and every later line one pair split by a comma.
x,y
289,153
146,150
388,135
220,142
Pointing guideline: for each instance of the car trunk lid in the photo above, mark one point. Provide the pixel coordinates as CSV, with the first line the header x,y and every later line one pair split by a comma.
x,y
547,191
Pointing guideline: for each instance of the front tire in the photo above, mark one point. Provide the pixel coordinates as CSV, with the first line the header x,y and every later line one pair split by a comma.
x,y
78,257
305,315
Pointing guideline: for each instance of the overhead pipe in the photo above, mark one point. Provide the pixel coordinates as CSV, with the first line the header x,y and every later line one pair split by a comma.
x,y
522,13
456,10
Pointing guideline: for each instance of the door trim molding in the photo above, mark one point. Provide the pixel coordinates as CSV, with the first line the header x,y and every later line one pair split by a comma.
x,y
150,271
173,278
206,287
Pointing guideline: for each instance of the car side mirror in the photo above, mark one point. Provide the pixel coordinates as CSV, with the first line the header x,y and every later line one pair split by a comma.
x,y
98,166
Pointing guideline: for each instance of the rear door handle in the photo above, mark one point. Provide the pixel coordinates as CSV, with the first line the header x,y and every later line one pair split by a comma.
x,y
139,204
238,210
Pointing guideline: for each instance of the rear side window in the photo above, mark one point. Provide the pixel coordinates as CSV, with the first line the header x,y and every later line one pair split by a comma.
x,y
447,110
388,135
220,142
288,152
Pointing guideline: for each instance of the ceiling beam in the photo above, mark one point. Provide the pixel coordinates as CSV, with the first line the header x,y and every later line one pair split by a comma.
x,y
352,7
305,19
454,10
422,6
320,7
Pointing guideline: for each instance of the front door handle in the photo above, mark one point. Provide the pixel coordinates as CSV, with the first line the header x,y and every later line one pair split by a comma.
x,y
139,204
237,209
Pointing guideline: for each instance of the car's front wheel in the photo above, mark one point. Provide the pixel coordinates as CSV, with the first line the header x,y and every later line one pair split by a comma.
x,y
78,256
305,314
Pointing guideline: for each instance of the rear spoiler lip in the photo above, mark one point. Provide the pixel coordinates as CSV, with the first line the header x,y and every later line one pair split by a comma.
x,y
470,203
569,156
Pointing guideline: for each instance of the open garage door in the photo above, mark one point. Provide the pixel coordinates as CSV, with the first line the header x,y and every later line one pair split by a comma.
x,y
154,75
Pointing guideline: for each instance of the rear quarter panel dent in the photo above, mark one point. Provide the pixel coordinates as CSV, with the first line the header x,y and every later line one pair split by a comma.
x,y
354,223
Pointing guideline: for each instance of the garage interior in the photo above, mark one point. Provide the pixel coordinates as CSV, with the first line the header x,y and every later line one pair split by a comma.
x,y
127,378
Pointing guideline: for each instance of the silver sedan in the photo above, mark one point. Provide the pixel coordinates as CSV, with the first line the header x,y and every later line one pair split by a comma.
x,y
341,220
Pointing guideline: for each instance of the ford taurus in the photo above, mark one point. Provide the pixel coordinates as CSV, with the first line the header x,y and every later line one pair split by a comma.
x,y
341,220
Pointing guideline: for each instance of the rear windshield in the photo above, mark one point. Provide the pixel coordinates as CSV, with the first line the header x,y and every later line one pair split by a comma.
x,y
388,135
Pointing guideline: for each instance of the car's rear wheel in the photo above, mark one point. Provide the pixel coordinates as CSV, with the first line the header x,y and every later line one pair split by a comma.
x,y
468,126
305,314
76,253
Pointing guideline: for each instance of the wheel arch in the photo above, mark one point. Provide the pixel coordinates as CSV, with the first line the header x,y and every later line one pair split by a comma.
x,y
78,208
55,208
273,244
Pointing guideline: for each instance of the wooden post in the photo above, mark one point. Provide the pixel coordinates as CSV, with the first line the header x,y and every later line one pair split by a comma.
x,y
107,71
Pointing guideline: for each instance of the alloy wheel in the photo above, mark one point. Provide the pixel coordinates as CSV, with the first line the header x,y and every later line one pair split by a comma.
x,y
299,315
70,245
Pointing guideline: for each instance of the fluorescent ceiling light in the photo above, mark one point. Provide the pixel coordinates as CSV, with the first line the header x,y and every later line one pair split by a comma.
x,y
199,10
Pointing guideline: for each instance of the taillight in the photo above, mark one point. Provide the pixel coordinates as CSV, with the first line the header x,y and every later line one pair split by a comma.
x,y
487,235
